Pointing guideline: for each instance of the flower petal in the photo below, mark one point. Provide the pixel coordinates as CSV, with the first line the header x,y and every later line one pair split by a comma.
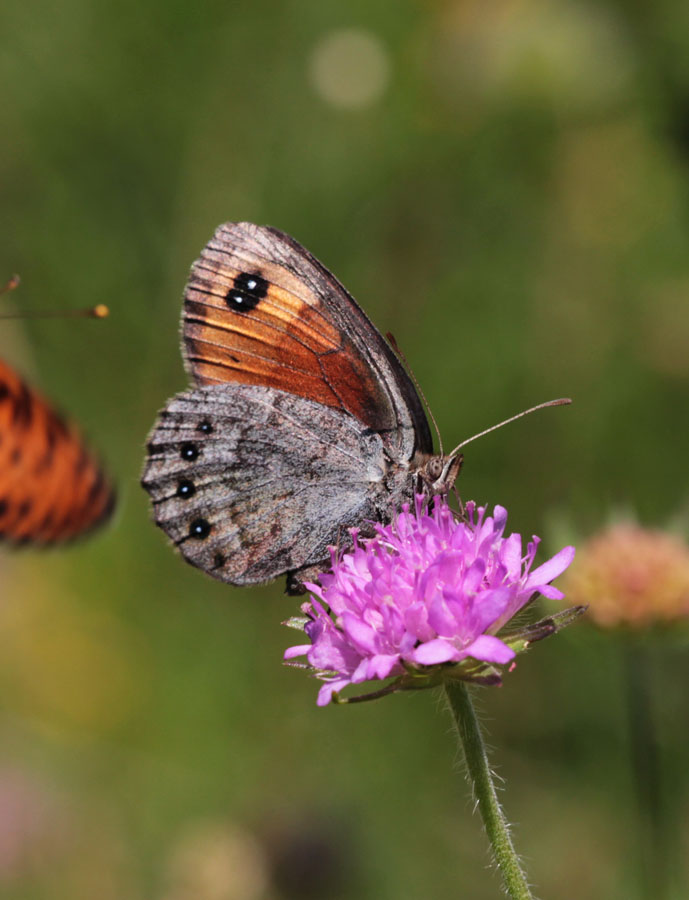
x,y
382,666
325,694
555,566
434,652
552,593
511,555
300,650
360,633
490,649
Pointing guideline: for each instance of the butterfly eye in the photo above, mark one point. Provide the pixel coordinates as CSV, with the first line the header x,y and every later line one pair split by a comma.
x,y
434,468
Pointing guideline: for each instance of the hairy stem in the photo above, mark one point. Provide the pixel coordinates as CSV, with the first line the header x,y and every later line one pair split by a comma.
x,y
483,787
654,837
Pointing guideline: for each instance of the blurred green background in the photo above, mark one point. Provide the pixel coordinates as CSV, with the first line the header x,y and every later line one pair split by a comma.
x,y
505,186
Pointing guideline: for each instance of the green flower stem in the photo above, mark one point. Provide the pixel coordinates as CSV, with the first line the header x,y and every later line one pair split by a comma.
x,y
655,838
485,794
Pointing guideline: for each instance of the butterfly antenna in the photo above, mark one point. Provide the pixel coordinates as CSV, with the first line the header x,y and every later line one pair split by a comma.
x,y
562,401
395,346
100,311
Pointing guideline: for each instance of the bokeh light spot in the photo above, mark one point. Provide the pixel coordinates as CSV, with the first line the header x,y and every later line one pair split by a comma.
x,y
350,68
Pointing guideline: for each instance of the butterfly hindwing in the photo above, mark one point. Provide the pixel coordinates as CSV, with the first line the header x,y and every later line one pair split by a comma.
x,y
254,482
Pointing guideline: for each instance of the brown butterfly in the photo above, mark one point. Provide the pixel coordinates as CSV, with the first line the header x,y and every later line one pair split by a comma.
x,y
51,487
302,422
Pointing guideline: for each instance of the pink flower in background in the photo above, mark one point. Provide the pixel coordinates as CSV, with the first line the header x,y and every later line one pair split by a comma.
x,y
633,577
429,590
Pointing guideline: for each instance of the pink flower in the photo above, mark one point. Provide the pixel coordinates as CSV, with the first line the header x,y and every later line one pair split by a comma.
x,y
633,577
424,600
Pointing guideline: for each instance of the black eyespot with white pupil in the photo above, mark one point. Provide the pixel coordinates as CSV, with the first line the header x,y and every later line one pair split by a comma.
x,y
199,529
189,451
247,291
205,427
186,489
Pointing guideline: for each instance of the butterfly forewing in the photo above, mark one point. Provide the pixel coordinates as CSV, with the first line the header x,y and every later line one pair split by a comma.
x,y
260,309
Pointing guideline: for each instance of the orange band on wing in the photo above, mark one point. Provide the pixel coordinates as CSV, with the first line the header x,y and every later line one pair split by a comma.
x,y
51,488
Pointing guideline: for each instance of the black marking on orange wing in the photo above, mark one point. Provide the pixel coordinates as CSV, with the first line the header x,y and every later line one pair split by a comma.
x,y
22,407
52,488
247,292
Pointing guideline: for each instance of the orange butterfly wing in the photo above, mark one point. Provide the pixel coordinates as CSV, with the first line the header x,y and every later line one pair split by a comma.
x,y
51,487
260,309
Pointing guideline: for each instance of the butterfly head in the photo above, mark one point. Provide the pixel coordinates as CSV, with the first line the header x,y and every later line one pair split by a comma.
x,y
439,473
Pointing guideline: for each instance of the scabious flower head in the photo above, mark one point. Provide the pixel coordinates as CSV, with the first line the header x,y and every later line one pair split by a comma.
x,y
423,600
632,576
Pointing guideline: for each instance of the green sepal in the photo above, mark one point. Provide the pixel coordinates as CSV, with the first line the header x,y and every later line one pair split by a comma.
x,y
523,638
297,622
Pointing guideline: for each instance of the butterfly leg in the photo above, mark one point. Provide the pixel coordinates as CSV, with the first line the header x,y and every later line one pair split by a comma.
x,y
461,513
295,580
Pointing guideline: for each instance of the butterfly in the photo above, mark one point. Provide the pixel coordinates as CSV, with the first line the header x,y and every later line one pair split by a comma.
x,y
51,487
302,422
